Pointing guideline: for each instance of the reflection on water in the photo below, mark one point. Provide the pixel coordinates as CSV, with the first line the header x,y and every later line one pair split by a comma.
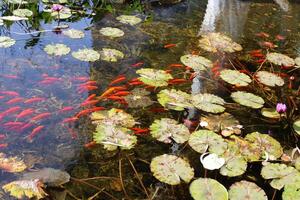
x,y
40,95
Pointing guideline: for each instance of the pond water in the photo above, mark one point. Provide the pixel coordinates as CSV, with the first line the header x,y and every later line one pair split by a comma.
x,y
45,122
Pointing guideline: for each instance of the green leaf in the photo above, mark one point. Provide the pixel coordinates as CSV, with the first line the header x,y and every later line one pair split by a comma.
x,y
208,103
171,169
280,59
208,189
23,13
269,79
57,49
111,55
245,190
247,99
138,98
197,63
111,32
235,77
270,113
296,126
65,13
166,129
234,165
88,55
129,19
291,191
6,42
174,99
154,77
73,33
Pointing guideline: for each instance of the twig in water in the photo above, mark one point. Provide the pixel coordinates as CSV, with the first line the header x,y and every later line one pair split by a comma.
x,y
121,179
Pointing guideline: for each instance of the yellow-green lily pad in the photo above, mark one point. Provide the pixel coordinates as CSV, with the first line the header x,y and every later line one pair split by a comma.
x,y
88,55
245,190
129,19
13,18
280,59
296,126
174,99
57,49
235,77
111,55
138,98
269,79
197,63
73,33
208,103
23,12
65,13
6,42
270,113
248,99
154,77
291,191
111,32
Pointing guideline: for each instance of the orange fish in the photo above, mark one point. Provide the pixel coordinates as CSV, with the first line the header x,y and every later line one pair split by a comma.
x,y
2,97
66,109
97,109
81,78
268,44
255,51
137,64
262,34
34,100
89,103
14,100
140,130
279,37
168,71
69,120
4,145
26,126
136,83
90,144
84,112
8,124
122,93
34,132
25,113
114,98
108,91
10,111
177,81
176,65
10,93
41,116
118,80
166,46
10,76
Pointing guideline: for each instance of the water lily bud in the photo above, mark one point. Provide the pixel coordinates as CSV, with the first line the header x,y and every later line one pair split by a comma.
x,y
57,7
281,108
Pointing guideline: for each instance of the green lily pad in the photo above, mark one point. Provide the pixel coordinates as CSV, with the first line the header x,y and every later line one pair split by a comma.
x,y
174,99
208,189
115,117
235,77
211,161
111,32
269,79
111,55
248,99
250,152
154,77
65,13
280,59
88,55
57,49
245,190
21,2
129,19
270,113
214,42
6,42
224,123
297,61
280,174
23,13
197,63
234,166
291,191
296,126
203,140
112,137
166,129
138,98
297,163
73,33
13,18
208,103
266,144
25,188
11,164
171,169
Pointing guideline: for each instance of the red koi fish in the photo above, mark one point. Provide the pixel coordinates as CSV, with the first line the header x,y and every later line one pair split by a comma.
x,y
140,130
69,120
34,132
167,46
80,78
9,124
2,136
268,44
10,93
4,145
168,71
112,90
118,80
139,64
262,34
14,100
10,76
122,93
97,109
2,97
255,51
176,65
41,116
279,37
66,109
84,112
89,103
10,111
135,83
177,81
92,96
26,126
34,100
90,144
25,113
115,98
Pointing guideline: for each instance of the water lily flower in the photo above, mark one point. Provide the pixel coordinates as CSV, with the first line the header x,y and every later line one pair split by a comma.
x,y
57,7
281,108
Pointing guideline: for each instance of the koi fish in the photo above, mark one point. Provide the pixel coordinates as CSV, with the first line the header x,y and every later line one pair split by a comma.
x,y
268,44
25,113
89,103
69,120
81,78
41,116
26,126
137,64
279,37
166,46
97,109
140,130
90,144
176,65
134,80
14,100
260,60
168,71
4,145
34,132
257,55
66,109
10,76
10,111
34,100
84,112
9,124
122,93
192,76
115,98
255,51
2,97
262,34
135,83
2,136
92,96
10,93
177,81
108,92
118,80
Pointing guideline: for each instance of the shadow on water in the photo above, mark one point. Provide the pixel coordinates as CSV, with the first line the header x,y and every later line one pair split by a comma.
x,y
25,67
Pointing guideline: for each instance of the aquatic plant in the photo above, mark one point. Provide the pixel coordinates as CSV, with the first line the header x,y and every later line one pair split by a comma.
x,y
235,77
6,42
88,55
73,33
246,190
111,55
208,103
111,32
174,99
269,79
280,108
57,49
154,77
129,19
248,99
197,63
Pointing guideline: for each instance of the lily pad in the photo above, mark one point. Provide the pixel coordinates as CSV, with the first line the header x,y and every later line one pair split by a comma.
x,y
49,176
291,191
235,77
112,137
13,18
21,2
57,49
6,42
203,140
138,98
208,103
171,169
269,79
166,129
111,32
214,42
174,99
73,33
224,123
25,188
250,152
197,63
111,55
23,13
65,13
1,22
280,174
129,19
11,164
270,113
234,165
114,117
296,126
297,61
212,161
245,190
208,189
266,144
88,55
248,99
280,59
154,77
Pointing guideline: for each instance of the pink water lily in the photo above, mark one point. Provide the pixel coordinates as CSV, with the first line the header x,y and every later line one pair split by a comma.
x,y
57,7
281,108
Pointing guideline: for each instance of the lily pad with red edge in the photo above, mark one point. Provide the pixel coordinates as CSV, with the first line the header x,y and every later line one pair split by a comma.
x,y
171,169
